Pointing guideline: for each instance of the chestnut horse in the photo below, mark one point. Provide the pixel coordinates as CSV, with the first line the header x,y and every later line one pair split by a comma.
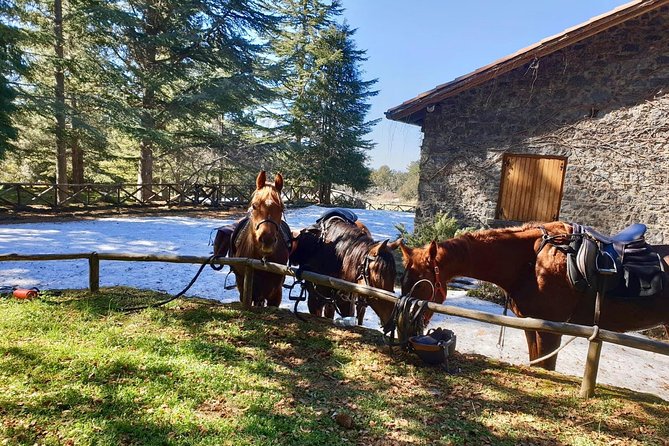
x,y
536,283
263,238
346,251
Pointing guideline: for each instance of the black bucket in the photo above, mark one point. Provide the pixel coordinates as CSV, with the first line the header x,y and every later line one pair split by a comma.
x,y
435,347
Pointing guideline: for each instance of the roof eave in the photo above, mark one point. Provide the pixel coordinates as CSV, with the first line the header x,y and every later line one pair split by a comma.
x,y
413,110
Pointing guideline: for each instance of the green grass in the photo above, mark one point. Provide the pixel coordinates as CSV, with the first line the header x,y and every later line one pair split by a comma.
x,y
74,371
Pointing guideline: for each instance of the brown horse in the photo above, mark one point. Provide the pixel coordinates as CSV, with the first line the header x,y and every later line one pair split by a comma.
x,y
536,283
262,237
347,251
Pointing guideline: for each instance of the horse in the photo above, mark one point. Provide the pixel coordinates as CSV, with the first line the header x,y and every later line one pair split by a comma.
x,y
346,250
261,235
534,276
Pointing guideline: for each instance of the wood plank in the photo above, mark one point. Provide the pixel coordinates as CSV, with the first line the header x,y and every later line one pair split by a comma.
x,y
522,188
514,183
542,198
530,189
555,186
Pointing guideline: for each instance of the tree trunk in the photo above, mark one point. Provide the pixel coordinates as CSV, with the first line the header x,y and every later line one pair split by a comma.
x,y
59,106
145,168
75,148
324,193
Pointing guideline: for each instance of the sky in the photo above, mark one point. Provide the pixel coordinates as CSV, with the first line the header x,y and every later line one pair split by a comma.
x,y
413,46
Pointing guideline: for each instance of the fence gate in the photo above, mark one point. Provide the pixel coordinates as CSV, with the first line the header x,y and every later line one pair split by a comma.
x,y
531,187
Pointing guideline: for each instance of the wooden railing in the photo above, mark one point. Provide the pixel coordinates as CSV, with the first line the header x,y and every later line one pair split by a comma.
x,y
36,196
595,336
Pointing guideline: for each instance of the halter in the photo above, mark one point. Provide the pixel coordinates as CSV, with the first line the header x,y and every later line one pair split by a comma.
x,y
438,287
364,268
267,220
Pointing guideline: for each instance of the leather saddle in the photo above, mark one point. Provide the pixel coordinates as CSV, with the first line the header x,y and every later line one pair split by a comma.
x,y
621,266
342,214
320,227
228,237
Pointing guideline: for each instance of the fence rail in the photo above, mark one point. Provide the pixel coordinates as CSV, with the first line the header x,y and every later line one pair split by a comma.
x,y
595,337
36,196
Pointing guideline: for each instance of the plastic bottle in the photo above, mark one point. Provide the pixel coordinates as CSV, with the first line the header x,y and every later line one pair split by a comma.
x,y
349,321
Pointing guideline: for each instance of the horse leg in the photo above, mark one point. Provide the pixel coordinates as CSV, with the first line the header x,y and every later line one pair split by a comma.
x,y
314,304
547,343
360,309
532,348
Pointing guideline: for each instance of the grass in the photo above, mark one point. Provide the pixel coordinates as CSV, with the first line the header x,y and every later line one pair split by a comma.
x,y
75,371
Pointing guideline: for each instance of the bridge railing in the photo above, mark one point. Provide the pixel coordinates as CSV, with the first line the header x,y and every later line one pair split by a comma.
x,y
36,196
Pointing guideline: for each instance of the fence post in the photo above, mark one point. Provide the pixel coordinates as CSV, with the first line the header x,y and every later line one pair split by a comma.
x,y
247,292
94,272
591,367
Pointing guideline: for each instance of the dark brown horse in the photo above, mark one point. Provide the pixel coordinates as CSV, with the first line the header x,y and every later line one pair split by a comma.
x,y
347,251
262,235
536,283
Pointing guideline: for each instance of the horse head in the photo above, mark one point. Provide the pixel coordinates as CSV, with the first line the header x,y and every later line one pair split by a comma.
x,y
422,277
381,266
266,212
380,270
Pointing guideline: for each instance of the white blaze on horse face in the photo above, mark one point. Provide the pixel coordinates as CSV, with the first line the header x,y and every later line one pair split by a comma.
x,y
269,202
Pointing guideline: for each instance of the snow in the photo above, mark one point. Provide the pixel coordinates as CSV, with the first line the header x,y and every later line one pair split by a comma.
x,y
619,366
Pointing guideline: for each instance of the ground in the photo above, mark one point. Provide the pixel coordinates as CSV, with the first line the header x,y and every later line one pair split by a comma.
x,y
74,370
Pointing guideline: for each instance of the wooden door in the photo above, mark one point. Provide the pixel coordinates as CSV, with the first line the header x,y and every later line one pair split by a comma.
x,y
531,188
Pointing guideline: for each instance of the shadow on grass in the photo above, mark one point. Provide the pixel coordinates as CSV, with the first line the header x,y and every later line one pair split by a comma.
x,y
300,375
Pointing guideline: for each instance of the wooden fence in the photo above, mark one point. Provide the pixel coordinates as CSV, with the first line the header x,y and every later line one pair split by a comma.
x,y
595,337
37,196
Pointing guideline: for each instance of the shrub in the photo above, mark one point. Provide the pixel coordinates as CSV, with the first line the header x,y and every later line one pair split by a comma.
x,y
488,291
442,228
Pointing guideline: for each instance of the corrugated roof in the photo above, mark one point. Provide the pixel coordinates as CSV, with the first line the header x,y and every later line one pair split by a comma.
x,y
411,111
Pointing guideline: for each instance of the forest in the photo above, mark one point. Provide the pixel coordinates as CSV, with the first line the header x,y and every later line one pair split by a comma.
x,y
182,91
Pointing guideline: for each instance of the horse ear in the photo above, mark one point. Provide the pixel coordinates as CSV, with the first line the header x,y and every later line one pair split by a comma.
x,y
382,246
433,249
396,244
406,251
260,181
278,182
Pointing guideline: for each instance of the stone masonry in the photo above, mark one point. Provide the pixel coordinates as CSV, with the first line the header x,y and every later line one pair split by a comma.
x,y
603,103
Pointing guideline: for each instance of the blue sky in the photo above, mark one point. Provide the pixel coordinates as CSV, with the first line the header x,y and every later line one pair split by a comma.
x,y
413,46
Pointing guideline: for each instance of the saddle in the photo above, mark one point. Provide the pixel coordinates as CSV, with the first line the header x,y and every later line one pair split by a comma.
x,y
622,266
323,222
341,214
228,237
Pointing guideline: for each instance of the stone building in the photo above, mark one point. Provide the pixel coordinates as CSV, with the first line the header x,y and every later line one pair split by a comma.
x,y
575,127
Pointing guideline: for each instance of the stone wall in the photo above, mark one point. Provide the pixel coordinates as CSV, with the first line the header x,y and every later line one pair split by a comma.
x,y
603,103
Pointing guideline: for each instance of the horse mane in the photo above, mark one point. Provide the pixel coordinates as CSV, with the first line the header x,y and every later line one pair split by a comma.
x,y
352,244
458,246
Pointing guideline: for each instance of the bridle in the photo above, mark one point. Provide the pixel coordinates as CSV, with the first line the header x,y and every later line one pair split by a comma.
x,y
268,220
438,287
364,268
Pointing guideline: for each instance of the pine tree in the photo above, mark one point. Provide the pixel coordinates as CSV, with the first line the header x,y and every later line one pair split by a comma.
x,y
178,67
10,64
322,115
334,110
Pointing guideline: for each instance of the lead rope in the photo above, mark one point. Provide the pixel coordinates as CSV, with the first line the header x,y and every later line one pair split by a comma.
x,y
502,328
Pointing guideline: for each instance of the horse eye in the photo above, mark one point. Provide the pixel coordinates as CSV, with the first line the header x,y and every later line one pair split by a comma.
x,y
254,206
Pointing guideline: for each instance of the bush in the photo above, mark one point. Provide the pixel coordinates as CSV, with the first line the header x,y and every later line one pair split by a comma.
x,y
442,228
488,291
